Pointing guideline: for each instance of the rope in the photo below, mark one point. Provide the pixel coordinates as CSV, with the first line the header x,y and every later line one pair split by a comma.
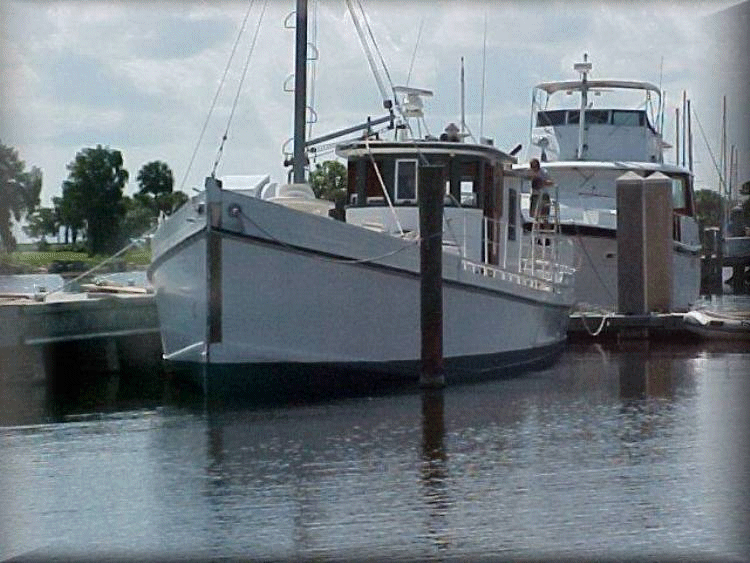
x,y
710,152
597,331
336,260
375,44
383,188
239,89
134,242
216,96
414,53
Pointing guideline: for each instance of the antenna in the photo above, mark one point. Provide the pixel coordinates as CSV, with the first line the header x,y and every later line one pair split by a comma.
x,y
484,74
660,115
463,110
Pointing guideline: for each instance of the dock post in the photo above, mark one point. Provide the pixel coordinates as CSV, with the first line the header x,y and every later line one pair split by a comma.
x,y
631,275
658,217
644,243
431,191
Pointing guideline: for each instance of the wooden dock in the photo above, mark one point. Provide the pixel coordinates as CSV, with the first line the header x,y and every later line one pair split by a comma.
x,y
81,348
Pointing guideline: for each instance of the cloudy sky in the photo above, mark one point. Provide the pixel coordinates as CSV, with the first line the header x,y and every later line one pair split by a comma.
x,y
140,76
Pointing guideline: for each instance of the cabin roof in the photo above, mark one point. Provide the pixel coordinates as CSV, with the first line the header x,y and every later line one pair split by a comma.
x,y
624,166
552,87
417,147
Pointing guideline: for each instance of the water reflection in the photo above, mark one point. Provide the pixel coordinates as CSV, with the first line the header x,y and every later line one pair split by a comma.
x,y
434,467
614,451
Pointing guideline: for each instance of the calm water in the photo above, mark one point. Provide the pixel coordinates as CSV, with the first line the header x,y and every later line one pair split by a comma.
x,y
632,450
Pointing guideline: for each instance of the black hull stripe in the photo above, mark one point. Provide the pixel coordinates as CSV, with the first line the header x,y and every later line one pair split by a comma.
x,y
281,380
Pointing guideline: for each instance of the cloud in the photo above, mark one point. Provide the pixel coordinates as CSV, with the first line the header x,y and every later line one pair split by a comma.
x,y
141,76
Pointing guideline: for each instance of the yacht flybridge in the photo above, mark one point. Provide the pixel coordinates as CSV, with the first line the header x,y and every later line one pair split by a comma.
x,y
587,133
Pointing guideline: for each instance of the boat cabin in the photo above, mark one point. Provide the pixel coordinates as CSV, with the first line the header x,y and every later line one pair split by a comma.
x,y
482,194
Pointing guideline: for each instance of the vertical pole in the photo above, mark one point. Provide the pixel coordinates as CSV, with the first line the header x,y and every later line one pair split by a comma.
x,y
684,126
690,136
300,93
677,136
430,196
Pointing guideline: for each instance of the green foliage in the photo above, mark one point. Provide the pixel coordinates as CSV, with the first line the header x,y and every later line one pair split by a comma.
x,y
328,180
155,178
19,193
139,216
42,222
708,208
155,181
94,191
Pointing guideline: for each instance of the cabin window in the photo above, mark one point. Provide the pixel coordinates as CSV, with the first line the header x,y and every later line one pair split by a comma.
x,y
555,117
573,116
406,180
597,117
512,205
628,118
679,197
468,196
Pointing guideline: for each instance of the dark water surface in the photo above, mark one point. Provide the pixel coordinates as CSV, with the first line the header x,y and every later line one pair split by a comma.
x,y
631,450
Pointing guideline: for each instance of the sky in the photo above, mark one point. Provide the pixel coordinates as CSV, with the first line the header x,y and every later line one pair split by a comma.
x,y
140,76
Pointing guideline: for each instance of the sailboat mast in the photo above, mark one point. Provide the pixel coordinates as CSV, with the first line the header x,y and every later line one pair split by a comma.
x,y
300,93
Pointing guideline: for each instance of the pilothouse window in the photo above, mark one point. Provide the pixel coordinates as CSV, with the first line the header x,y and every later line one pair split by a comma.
x,y
406,180
554,117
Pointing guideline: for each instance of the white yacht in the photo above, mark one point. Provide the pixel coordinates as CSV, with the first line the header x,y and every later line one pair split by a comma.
x,y
587,133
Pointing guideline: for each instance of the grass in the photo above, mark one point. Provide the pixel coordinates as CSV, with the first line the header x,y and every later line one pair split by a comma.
x,y
34,260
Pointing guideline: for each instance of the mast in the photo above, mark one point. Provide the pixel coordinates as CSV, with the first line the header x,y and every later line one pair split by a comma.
x,y
584,69
300,93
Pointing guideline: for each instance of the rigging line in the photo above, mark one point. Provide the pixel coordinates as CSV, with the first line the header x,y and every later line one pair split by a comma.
x,y
366,49
710,152
375,44
412,243
382,186
216,95
239,87
414,53
132,243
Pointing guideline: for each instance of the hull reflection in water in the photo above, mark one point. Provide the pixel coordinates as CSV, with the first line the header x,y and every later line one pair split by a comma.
x,y
634,451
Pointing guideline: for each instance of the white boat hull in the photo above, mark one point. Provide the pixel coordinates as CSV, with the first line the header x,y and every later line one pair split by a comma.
x,y
300,299
596,275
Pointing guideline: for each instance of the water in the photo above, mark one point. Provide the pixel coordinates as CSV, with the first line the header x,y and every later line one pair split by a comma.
x,y
30,283
631,450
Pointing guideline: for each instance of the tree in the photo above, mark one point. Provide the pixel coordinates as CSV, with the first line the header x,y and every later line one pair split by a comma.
x,y
71,217
42,222
328,180
156,182
708,208
19,193
139,216
94,190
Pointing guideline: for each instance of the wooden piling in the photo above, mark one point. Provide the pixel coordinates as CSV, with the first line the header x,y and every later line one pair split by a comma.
x,y
430,195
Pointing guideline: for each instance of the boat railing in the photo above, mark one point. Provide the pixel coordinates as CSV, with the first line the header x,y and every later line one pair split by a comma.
x,y
540,259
